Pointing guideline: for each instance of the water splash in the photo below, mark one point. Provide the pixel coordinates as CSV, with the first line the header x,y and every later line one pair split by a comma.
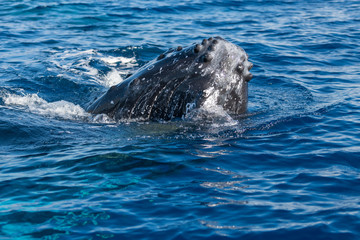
x,y
101,68
59,109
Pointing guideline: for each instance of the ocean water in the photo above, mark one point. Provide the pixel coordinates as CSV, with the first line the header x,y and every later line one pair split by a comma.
x,y
288,169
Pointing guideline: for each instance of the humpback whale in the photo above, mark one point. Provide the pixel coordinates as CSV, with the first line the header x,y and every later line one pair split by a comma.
x,y
179,80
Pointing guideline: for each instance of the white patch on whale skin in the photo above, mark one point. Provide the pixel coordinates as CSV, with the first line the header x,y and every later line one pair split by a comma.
x,y
203,73
189,107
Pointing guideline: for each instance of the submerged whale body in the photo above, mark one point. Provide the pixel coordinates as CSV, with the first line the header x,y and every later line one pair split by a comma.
x,y
180,80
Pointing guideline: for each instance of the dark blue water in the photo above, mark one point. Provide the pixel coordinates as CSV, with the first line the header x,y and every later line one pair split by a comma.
x,y
287,170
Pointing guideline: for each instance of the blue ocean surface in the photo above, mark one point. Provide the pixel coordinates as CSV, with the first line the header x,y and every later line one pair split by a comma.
x,y
288,169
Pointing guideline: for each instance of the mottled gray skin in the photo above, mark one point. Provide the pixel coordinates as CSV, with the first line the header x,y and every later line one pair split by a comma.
x,y
179,80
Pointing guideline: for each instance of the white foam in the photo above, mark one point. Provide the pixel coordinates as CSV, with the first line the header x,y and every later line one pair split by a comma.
x,y
59,109
212,107
78,63
112,78
68,53
86,68
35,104
126,62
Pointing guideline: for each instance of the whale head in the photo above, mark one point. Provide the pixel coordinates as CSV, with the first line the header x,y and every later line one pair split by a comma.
x,y
180,80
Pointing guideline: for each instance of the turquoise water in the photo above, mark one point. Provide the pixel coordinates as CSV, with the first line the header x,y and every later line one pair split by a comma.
x,y
289,169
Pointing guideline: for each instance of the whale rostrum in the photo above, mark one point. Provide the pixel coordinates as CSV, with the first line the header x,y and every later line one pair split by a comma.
x,y
179,80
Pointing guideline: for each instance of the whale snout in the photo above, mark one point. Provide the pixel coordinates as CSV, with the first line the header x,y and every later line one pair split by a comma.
x,y
225,55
